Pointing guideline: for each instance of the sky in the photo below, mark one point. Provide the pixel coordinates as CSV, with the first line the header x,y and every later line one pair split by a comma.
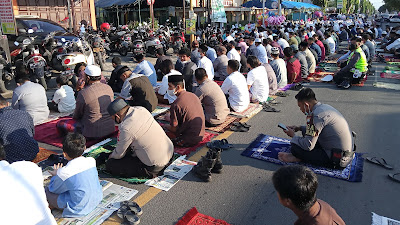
x,y
377,3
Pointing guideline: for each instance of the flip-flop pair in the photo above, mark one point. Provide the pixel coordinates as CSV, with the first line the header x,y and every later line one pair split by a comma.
x,y
219,144
240,127
268,108
382,162
129,212
282,94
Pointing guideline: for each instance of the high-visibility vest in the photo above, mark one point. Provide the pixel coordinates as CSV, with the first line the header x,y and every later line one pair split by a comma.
x,y
362,63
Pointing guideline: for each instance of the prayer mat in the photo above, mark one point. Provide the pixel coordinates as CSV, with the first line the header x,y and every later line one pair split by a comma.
x,y
47,133
225,125
54,116
390,72
393,63
160,110
187,150
252,110
392,60
387,85
193,217
266,148
327,69
326,64
287,87
317,76
42,155
391,75
396,68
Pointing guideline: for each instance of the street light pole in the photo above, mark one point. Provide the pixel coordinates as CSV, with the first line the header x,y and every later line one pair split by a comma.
x,y
184,13
279,8
263,14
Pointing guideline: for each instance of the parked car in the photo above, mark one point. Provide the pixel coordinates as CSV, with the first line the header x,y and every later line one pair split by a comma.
x,y
41,27
395,19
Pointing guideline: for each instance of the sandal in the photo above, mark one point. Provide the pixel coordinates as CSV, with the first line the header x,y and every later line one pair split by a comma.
x,y
282,94
394,176
268,108
128,216
240,124
379,162
239,128
219,144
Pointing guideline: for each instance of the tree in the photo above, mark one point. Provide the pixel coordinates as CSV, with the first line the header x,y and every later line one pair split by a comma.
x,y
392,5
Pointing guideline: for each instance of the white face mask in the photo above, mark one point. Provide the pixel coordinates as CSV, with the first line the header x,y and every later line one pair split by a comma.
x,y
171,92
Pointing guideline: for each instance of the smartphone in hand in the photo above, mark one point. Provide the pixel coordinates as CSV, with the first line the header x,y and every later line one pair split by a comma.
x,y
282,126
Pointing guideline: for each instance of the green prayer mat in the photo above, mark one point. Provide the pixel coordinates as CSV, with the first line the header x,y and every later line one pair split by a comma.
x,y
393,63
393,68
327,65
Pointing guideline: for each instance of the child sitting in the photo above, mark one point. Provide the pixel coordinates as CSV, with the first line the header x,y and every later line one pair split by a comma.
x,y
75,188
63,99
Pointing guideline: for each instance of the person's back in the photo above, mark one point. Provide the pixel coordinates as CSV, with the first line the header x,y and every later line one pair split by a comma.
x,y
272,83
206,64
371,48
91,110
322,47
214,102
147,69
31,97
115,82
257,78
236,86
293,70
280,70
220,65
143,93
262,54
310,61
188,113
65,98
16,135
303,64
22,183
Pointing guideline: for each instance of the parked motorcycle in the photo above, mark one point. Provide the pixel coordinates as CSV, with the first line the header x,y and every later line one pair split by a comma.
x,y
97,43
115,43
6,71
152,44
137,44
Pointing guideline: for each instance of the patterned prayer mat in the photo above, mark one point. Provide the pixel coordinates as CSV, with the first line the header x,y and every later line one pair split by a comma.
x,y
327,69
252,110
42,155
47,133
326,64
266,148
317,76
187,150
393,63
160,110
392,60
391,75
225,125
395,68
193,217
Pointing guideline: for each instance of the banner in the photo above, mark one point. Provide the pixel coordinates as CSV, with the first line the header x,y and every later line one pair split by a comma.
x,y
218,11
339,4
190,26
7,17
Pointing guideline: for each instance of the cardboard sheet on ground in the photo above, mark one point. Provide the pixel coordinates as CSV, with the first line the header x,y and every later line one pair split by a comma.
x,y
381,220
172,174
113,195
266,148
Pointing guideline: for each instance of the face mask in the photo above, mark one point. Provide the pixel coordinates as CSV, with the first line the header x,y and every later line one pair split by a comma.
x,y
116,121
171,92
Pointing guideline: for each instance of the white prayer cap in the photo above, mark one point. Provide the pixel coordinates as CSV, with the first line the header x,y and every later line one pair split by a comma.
x,y
93,71
258,40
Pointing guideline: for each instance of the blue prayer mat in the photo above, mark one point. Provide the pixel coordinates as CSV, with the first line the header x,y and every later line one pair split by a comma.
x,y
266,148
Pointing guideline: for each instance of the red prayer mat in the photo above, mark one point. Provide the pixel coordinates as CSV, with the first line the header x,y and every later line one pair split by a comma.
x,y
187,150
224,126
47,133
390,75
43,154
193,217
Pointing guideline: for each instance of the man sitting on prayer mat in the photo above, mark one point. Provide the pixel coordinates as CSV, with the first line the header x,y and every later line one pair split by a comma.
x,y
163,95
22,183
137,89
74,188
213,99
326,139
257,80
143,149
296,187
16,133
235,87
187,122
90,115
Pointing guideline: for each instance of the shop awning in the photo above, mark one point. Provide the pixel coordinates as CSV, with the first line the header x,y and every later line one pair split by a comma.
x,y
109,3
298,5
258,4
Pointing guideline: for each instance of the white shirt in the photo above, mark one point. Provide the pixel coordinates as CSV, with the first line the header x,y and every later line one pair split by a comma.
x,y
262,54
164,86
229,38
127,86
65,99
394,45
283,43
235,86
233,54
268,48
331,44
23,200
257,78
206,64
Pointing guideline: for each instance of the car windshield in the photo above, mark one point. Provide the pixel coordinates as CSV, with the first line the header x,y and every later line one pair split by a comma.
x,y
40,26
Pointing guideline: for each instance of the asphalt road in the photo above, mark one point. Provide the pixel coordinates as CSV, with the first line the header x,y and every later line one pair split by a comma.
x,y
243,194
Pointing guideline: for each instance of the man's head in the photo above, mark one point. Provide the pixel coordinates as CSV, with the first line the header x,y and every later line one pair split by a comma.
x,y
258,41
306,100
116,61
250,41
203,50
275,52
366,37
221,50
93,73
166,66
62,80
288,52
2,153
159,52
139,58
184,55
118,109
34,27
201,75
310,41
3,102
175,84
124,73
74,145
233,66
195,44
303,46
253,62
296,187
295,48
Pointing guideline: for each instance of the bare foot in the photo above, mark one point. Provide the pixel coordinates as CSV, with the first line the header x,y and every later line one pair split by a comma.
x,y
287,157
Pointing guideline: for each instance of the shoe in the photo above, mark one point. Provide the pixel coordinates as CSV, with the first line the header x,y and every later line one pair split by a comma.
x,y
217,168
345,84
346,159
204,167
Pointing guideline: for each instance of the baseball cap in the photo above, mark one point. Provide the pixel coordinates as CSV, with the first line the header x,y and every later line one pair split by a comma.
x,y
93,71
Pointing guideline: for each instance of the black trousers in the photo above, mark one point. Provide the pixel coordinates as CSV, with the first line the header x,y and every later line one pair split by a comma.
x,y
317,156
130,166
53,106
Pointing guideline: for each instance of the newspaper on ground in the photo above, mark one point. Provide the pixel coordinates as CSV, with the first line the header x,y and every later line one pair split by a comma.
x,y
172,174
113,195
381,220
